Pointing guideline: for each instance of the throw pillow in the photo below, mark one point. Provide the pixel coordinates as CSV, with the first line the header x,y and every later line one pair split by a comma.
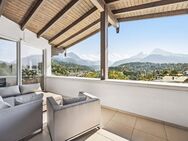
x,y
27,98
67,101
30,88
9,91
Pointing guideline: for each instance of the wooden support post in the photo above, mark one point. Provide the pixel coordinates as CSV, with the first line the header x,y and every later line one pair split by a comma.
x,y
104,44
2,6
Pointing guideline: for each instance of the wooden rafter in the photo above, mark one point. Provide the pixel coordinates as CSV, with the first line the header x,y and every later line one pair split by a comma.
x,y
77,33
73,24
111,17
2,5
111,1
85,37
30,13
156,15
57,17
147,5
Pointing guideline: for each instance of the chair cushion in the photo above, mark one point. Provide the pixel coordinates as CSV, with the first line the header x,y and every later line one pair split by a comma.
x,y
9,91
3,104
30,88
67,101
55,96
27,98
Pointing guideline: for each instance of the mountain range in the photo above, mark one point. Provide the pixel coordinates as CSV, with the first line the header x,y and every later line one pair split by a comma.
x,y
75,59
31,60
156,56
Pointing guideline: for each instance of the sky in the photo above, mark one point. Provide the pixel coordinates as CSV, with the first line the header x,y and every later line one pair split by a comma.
x,y
8,51
168,33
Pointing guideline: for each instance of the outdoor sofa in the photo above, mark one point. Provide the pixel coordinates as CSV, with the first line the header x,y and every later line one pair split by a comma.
x,y
73,117
21,110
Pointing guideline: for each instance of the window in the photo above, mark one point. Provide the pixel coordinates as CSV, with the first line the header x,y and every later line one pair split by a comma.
x,y
81,60
7,63
32,65
150,50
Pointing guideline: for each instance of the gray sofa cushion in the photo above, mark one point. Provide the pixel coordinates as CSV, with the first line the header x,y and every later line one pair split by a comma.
x,y
27,98
10,100
67,101
30,88
9,91
3,104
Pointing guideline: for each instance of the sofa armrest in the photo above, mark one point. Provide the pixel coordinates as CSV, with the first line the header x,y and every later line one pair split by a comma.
x,y
72,119
20,121
87,95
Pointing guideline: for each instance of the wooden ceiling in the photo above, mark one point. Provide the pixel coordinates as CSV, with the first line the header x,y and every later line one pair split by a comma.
x,y
67,22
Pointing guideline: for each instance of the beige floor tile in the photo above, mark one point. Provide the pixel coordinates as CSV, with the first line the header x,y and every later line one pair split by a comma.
x,y
41,137
174,134
119,129
153,128
124,119
141,136
85,136
97,137
44,117
45,128
106,116
110,135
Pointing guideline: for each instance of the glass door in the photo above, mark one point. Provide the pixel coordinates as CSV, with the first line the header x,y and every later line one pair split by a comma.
x,y
32,65
8,61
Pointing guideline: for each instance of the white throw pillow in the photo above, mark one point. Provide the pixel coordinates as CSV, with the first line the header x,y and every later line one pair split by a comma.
x,y
30,88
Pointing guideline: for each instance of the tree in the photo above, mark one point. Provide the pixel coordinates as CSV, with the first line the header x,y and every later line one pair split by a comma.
x,y
116,75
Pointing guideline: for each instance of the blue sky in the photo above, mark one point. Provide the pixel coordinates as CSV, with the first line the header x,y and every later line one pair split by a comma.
x,y
169,33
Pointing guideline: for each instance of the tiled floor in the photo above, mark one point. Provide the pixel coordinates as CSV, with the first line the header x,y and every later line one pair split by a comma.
x,y
118,126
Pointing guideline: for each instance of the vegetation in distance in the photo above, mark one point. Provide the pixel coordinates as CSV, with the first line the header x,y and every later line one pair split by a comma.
x,y
129,71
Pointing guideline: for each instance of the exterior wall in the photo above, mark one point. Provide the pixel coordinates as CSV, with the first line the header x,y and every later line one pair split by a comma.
x,y
10,30
165,102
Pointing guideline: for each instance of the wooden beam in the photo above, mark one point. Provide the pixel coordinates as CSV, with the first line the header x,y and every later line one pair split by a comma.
x,y
156,15
91,34
147,5
100,4
77,33
32,10
111,1
104,44
2,6
56,17
56,51
73,24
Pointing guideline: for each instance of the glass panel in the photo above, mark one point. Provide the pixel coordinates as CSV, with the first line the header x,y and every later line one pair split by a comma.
x,y
7,63
32,65
150,50
81,60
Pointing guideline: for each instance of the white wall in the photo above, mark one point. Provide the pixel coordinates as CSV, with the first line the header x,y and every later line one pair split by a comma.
x,y
162,102
10,30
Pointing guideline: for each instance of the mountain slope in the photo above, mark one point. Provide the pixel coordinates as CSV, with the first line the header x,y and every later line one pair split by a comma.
x,y
156,56
75,59
31,60
135,58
